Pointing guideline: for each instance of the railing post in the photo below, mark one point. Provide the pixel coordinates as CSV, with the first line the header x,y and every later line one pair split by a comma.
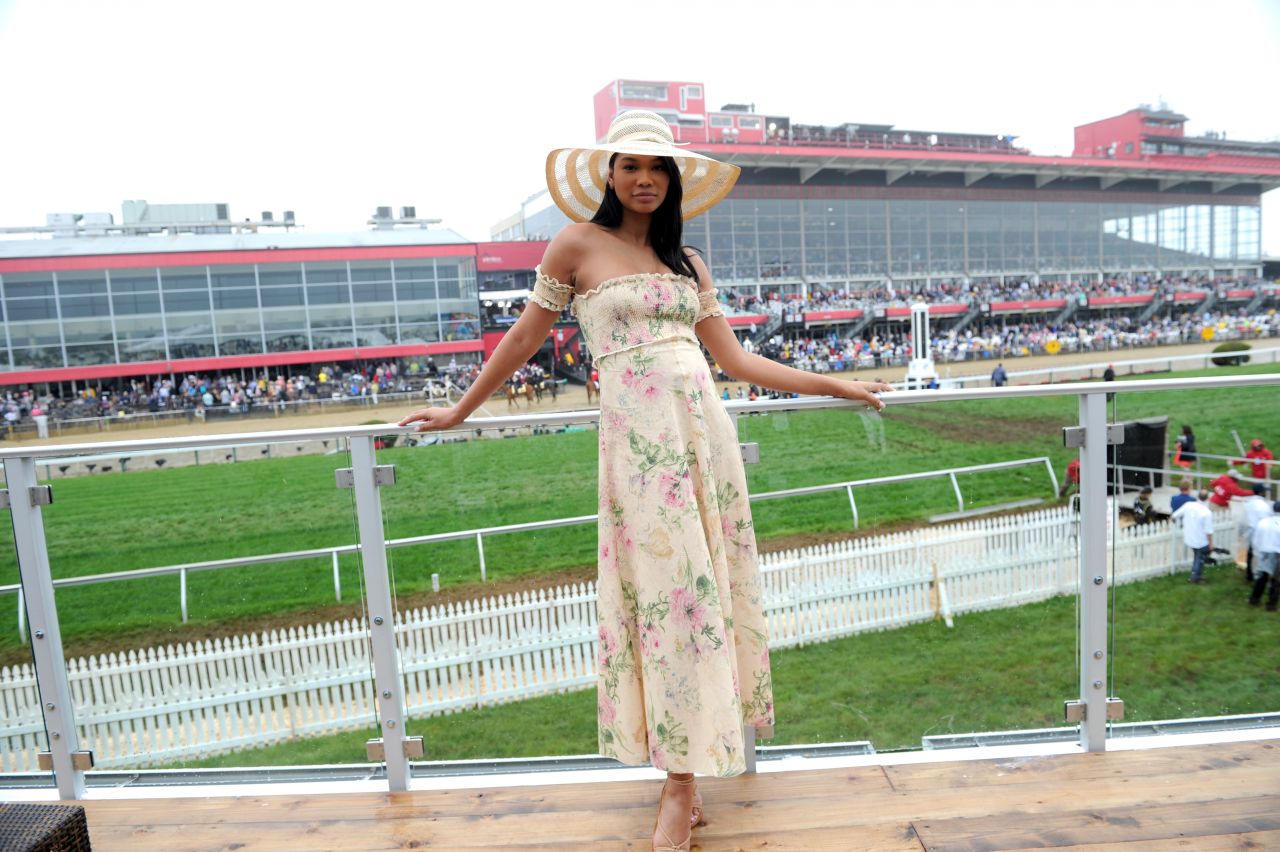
x,y
1093,572
381,615
182,593
853,506
956,487
337,578
22,618
46,645
1053,477
480,550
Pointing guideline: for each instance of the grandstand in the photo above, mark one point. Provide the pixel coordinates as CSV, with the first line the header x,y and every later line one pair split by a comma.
x,y
831,229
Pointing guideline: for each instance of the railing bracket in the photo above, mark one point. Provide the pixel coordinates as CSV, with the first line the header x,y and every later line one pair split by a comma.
x,y
82,760
750,452
375,750
413,747
1077,711
383,474
41,495
1073,436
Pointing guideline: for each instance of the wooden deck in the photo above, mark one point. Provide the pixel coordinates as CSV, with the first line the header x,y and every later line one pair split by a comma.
x,y
1201,798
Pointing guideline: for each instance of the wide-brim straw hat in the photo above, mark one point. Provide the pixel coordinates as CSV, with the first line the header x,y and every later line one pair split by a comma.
x,y
576,177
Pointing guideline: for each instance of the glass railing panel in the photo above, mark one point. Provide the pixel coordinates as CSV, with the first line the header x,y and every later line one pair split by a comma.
x,y
1187,653
201,660
22,729
946,610
497,626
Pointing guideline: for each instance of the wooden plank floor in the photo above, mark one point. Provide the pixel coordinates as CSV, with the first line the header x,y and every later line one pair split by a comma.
x,y
1209,797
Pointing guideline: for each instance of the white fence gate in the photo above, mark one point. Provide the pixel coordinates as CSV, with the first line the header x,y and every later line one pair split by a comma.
x,y
148,708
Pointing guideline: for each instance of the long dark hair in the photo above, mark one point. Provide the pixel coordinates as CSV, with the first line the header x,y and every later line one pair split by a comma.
x,y
666,226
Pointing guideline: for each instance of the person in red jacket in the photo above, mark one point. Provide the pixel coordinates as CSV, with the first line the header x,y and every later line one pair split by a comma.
x,y
1258,458
1073,479
1225,487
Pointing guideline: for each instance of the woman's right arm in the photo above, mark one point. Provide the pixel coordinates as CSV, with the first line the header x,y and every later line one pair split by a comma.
x,y
518,345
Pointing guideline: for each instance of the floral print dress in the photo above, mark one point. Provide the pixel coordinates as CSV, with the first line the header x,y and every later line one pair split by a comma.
x,y
683,652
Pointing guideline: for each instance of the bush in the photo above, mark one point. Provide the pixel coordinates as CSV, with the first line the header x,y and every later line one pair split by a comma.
x,y
1232,360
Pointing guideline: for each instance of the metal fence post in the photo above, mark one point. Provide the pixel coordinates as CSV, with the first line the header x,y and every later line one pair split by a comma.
x,y
381,615
337,578
46,645
1093,572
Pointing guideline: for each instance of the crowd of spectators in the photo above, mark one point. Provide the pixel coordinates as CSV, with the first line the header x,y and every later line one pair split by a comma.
x,y
235,393
832,353
953,291
240,393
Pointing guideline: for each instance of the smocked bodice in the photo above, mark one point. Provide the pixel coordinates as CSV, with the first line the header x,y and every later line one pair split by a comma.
x,y
635,310
632,310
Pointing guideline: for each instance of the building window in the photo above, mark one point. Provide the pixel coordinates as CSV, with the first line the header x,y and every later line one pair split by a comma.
x,y
639,92
750,123
722,121
1128,147
694,93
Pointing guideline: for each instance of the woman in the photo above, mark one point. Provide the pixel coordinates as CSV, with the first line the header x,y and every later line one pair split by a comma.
x,y
684,661
1186,451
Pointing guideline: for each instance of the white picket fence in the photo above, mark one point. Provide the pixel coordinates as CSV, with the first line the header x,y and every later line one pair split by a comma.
x,y
152,707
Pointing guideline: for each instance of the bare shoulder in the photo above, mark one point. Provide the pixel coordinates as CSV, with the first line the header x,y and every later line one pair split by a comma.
x,y
699,266
566,251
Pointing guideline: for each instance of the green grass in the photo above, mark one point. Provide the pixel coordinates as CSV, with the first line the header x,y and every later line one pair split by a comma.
x,y
147,518
1181,651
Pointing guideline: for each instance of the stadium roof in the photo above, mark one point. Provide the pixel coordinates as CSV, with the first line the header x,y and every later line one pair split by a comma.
x,y
1168,171
181,243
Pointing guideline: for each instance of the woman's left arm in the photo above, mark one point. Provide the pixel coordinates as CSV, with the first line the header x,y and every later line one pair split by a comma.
x,y
718,337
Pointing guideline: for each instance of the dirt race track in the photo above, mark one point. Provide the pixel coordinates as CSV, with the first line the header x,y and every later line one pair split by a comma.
x,y
575,398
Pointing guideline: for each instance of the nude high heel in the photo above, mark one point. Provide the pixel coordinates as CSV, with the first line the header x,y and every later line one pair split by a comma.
x,y
657,823
695,816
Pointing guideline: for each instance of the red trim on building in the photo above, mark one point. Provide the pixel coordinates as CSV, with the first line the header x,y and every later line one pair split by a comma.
x,y
934,311
1232,295
224,258
739,320
904,156
500,257
975,193
1027,306
832,316
234,362
1107,301
1193,296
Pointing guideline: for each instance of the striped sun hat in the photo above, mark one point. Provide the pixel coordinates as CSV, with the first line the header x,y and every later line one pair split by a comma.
x,y
576,177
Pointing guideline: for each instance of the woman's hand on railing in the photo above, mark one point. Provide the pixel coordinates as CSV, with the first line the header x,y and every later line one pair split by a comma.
x,y
433,419
863,392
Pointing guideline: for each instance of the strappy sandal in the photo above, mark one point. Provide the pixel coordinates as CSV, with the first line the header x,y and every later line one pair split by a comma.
x,y
657,823
695,816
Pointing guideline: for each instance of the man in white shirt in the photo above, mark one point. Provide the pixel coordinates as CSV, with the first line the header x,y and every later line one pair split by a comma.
x,y
1256,508
1197,532
1266,552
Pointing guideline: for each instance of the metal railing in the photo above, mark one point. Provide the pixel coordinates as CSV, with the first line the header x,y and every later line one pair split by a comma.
x,y
25,497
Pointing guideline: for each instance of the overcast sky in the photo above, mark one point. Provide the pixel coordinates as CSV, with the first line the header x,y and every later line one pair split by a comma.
x,y
333,109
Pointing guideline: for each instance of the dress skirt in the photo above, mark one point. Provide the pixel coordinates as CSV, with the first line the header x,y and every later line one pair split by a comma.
x,y
683,652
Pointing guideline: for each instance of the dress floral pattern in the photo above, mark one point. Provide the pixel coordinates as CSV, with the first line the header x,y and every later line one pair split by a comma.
x,y
683,649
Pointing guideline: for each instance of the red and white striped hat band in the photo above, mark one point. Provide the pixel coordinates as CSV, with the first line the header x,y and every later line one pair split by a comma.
x,y
576,177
